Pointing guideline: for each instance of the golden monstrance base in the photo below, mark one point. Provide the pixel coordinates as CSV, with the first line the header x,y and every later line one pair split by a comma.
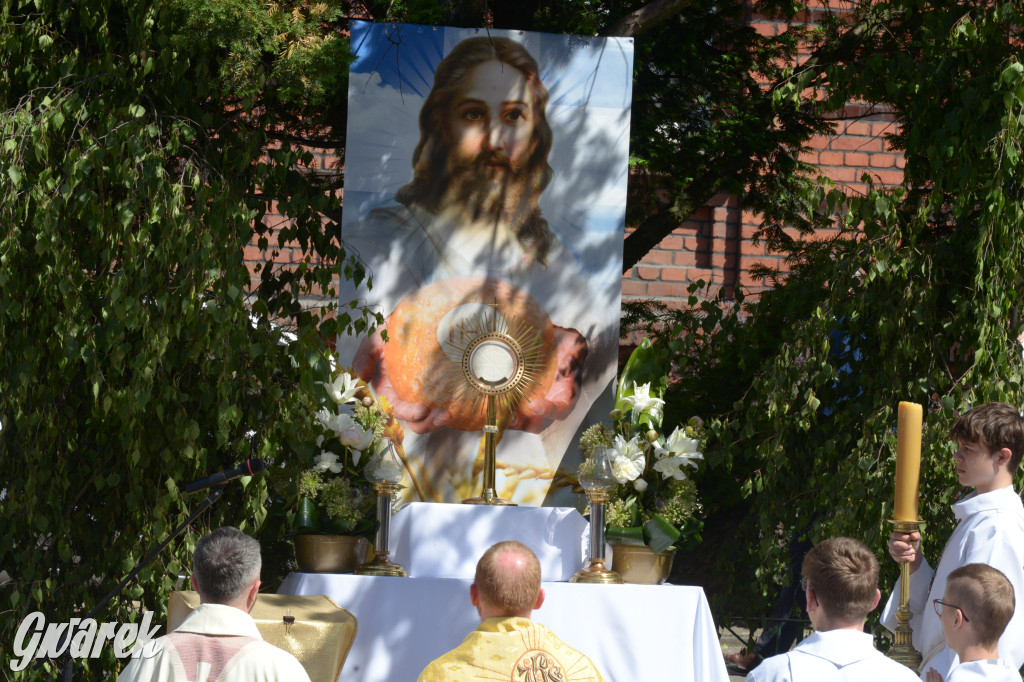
x,y
489,497
596,573
381,565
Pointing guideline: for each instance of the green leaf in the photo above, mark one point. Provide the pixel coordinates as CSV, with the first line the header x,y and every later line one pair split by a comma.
x,y
661,534
617,535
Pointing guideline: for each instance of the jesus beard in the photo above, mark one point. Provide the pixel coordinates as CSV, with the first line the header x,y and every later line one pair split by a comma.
x,y
489,188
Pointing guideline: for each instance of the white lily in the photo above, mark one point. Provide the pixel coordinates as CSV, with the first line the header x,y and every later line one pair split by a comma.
x,y
338,422
343,389
358,440
681,445
628,461
642,400
672,467
640,485
327,461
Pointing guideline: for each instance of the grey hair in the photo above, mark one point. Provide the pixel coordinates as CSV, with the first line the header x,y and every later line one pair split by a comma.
x,y
225,564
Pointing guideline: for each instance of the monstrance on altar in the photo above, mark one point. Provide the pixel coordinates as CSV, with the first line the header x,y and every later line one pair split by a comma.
x,y
497,360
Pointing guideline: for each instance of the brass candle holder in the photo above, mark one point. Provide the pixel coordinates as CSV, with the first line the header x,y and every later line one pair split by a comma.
x,y
903,650
597,482
385,472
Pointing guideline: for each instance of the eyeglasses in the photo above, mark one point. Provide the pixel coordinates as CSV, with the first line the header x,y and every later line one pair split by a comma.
x,y
938,604
803,584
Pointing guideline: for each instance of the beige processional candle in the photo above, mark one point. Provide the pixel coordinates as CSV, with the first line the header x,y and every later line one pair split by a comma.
x,y
908,460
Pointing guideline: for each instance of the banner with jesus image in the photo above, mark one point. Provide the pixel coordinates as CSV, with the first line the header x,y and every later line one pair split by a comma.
x,y
485,174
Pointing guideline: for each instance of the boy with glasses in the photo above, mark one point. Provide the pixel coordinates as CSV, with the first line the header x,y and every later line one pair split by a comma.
x,y
974,611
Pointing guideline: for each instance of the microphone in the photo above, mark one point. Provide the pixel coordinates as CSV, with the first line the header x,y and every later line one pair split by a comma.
x,y
247,468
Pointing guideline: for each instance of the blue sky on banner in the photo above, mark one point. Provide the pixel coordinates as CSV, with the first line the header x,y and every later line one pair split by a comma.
x,y
590,87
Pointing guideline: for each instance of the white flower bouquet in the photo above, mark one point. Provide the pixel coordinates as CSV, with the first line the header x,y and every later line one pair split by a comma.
x,y
655,502
334,494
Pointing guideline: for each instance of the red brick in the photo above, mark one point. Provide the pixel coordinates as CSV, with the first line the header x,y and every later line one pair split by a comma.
x,y
671,243
859,144
648,273
889,178
809,156
252,253
842,174
830,158
883,128
633,288
901,161
657,257
818,142
684,258
883,160
747,248
700,273
666,290
861,128
722,214
856,160
674,275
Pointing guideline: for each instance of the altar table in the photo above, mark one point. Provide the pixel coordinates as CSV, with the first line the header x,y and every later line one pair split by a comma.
x,y
431,540
631,632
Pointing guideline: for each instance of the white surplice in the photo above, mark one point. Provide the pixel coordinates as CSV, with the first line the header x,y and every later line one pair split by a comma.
x,y
832,656
990,531
984,671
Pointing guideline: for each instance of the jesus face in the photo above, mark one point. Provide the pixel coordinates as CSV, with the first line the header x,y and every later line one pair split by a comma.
x,y
491,132
492,117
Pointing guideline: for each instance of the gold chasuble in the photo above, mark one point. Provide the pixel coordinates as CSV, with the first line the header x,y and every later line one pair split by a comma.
x,y
512,650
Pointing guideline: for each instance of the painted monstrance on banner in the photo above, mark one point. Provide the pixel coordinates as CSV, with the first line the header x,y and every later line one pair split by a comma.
x,y
485,179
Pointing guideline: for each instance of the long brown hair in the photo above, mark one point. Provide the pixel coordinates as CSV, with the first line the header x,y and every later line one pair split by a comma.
x,y
430,159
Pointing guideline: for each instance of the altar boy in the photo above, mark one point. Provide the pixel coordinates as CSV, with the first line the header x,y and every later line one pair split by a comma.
x,y
985,594
840,576
990,530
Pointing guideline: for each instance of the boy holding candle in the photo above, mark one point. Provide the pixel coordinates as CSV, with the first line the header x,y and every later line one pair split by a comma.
x,y
840,577
990,530
974,611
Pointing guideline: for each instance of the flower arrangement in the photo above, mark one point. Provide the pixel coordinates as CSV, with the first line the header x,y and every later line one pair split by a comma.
x,y
334,493
654,502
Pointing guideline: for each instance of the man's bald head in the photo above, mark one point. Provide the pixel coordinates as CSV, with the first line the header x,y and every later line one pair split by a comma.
x,y
508,578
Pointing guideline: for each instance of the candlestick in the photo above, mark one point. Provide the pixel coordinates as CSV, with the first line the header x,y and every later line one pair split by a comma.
x,y
908,460
902,649
597,482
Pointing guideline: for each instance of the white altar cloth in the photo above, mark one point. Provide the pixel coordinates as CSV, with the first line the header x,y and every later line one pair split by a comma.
x,y
631,632
449,538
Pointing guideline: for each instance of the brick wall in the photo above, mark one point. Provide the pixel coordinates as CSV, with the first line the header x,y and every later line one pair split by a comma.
x,y
716,244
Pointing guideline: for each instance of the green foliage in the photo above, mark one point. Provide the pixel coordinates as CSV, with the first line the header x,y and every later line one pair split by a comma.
x,y
919,297
133,171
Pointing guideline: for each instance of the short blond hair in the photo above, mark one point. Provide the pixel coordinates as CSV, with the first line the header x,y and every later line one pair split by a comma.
x,y
510,590
843,573
985,596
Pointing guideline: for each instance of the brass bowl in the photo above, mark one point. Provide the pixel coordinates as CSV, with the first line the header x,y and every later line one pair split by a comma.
x,y
330,553
639,565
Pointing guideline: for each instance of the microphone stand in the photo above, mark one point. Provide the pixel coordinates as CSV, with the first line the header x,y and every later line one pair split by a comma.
x,y
211,497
